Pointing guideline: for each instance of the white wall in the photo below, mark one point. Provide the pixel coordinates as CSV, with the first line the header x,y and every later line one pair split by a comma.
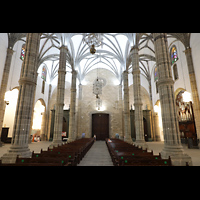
x,y
195,46
3,51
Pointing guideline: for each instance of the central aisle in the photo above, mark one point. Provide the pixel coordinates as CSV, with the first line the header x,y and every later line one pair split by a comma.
x,y
98,155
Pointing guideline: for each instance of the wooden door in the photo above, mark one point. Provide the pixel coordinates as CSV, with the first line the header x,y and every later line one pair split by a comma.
x,y
100,126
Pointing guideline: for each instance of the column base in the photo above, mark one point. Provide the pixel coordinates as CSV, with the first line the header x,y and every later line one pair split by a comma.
x,y
128,140
141,143
70,140
55,143
157,138
121,137
11,156
1,143
177,155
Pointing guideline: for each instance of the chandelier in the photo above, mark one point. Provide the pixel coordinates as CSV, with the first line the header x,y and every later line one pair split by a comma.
x,y
93,40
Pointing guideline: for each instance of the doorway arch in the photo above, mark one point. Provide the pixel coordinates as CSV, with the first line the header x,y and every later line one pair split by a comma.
x,y
38,125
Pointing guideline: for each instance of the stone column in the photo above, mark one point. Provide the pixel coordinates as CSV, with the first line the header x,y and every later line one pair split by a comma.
x,y
27,83
139,127
120,108
57,136
79,131
72,133
172,142
48,111
195,96
30,131
127,125
3,87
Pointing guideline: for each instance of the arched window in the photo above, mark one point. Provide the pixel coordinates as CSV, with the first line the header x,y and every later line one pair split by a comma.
x,y
156,73
22,52
173,54
175,71
44,73
44,77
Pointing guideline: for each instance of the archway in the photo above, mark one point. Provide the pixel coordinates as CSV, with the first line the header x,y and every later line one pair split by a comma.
x,y
158,120
38,121
10,98
184,108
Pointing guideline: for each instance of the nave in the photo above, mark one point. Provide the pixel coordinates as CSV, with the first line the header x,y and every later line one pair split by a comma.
x,y
91,156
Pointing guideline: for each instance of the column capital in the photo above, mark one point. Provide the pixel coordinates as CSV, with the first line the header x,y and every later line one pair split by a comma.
x,y
25,80
135,71
125,72
10,50
135,47
187,50
157,36
74,72
61,71
167,81
64,48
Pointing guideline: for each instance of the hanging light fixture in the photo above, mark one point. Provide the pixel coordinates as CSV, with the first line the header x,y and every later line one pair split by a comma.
x,y
93,40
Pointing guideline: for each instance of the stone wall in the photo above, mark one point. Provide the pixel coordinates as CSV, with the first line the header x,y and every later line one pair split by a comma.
x,y
110,103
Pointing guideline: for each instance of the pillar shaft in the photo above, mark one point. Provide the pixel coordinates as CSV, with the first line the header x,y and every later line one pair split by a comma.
x,y
72,119
27,83
127,128
195,96
172,143
3,87
79,111
120,109
139,127
58,123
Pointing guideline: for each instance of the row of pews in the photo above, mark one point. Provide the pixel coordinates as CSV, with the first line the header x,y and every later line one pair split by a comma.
x,y
69,154
125,154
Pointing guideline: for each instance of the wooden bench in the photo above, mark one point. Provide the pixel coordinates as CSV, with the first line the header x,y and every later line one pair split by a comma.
x,y
62,160
72,158
65,155
125,154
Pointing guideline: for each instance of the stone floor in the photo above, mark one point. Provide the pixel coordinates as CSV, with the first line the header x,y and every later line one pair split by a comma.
x,y
34,146
99,155
193,153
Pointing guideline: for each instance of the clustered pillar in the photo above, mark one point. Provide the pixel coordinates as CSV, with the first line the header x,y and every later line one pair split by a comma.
x,y
27,86
127,128
3,87
172,143
139,127
57,137
72,119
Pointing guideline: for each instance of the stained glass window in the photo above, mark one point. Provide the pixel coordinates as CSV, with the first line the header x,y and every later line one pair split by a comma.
x,y
22,52
173,54
156,73
44,73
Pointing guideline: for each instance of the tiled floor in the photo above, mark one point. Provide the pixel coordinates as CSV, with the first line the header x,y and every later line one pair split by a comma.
x,y
98,151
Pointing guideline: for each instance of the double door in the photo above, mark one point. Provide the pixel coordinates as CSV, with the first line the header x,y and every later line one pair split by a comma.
x,y
100,126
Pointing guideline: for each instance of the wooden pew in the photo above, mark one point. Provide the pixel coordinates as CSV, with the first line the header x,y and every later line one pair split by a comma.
x,y
125,154
65,155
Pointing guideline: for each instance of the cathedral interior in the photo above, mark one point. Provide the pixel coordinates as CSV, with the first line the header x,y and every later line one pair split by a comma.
x,y
139,87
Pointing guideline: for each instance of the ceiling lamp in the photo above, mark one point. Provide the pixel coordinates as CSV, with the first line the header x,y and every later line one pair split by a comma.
x,y
93,40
